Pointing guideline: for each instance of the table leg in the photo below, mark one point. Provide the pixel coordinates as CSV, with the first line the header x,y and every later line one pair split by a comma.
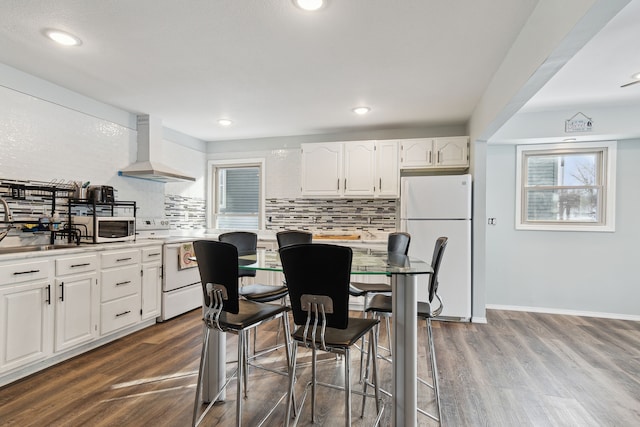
x,y
405,365
215,368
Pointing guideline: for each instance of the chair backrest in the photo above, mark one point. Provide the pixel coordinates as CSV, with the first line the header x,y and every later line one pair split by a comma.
x,y
318,269
293,237
398,243
246,242
438,252
218,264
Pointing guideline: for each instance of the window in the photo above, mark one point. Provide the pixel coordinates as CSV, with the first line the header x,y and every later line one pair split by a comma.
x,y
566,186
236,200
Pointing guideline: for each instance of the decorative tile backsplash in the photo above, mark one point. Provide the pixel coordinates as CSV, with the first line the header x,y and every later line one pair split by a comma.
x,y
331,214
185,213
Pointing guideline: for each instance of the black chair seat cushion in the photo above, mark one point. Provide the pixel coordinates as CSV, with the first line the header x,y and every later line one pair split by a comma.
x,y
263,293
383,304
369,287
340,337
250,313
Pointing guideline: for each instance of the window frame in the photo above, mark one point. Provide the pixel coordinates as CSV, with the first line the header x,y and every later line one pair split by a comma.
x,y
213,165
606,203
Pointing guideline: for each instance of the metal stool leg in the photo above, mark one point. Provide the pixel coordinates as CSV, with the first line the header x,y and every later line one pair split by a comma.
x,y
203,355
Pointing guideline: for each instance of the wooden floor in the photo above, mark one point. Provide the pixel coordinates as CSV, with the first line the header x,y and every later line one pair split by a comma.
x,y
520,369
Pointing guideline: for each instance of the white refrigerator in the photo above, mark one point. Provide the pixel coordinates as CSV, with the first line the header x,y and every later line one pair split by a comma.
x,y
434,206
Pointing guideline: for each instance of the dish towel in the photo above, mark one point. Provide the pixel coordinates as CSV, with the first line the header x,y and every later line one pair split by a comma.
x,y
184,253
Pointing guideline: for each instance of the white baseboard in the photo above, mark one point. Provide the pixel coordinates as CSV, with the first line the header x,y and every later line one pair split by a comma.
x,y
476,319
616,316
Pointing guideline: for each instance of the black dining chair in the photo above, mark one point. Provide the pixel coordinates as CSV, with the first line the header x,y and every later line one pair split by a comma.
x,y
317,276
247,244
293,237
397,243
382,304
226,312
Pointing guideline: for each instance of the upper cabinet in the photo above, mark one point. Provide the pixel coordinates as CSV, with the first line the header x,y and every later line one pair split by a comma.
x,y
435,153
350,169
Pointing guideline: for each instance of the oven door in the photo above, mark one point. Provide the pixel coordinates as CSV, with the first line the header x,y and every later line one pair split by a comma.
x,y
174,277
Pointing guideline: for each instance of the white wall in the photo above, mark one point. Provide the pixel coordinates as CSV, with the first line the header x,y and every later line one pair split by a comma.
x,y
48,132
575,271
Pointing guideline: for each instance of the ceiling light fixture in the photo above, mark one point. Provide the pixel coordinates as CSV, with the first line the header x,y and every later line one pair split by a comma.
x,y
361,111
635,76
62,37
224,122
310,5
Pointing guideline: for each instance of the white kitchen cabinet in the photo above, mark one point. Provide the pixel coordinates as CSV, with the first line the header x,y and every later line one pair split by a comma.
x,y
387,182
151,281
26,321
435,153
359,168
120,282
350,169
76,301
322,170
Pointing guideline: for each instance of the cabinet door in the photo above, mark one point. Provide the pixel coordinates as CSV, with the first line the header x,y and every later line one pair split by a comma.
x,y
452,152
25,324
76,310
322,169
151,282
359,168
417,153
387,169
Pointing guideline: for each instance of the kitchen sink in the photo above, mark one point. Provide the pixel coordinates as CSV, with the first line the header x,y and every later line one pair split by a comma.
x,y
33,248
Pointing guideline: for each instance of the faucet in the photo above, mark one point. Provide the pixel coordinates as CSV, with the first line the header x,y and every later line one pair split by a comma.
x,y
8,218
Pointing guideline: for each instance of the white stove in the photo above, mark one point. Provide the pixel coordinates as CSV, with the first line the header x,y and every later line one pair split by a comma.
x,y
181,289
153,228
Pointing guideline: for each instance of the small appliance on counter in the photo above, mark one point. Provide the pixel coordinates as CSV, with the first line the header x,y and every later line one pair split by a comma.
x,y
101,194
104,229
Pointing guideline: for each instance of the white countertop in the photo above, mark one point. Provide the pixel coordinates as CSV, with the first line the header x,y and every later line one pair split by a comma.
x,y
79,249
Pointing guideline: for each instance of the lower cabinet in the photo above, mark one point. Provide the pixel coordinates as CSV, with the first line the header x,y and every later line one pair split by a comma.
x,y
25,324
76,301
57,305
151,281
120,278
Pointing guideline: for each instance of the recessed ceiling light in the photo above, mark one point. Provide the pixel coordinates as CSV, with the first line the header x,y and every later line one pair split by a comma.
x,y
62,37
635,76
361,110
224,122
310,5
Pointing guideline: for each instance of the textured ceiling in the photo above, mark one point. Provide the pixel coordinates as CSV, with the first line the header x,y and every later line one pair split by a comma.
x,y
268,66
277,71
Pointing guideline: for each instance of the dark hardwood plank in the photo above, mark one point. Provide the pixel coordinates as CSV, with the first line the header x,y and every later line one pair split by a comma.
x,y
524,369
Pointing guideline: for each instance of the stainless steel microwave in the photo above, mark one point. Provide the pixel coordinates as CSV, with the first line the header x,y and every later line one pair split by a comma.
x,y
104,229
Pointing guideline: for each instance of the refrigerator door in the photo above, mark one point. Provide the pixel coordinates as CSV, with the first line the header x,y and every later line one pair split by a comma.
x,y
436,197
455,271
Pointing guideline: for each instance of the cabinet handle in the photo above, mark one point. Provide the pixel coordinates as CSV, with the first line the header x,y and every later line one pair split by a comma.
x,y
48,300
429,156
345,184
62,291
338,187
438,156
122,314
84,264
123,283
123,259
16,273
380,185
156,254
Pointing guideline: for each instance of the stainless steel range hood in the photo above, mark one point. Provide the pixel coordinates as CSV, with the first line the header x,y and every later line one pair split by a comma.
x,y
148,165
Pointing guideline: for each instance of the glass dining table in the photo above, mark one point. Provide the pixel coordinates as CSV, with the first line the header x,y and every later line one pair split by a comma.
x,y
403,271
